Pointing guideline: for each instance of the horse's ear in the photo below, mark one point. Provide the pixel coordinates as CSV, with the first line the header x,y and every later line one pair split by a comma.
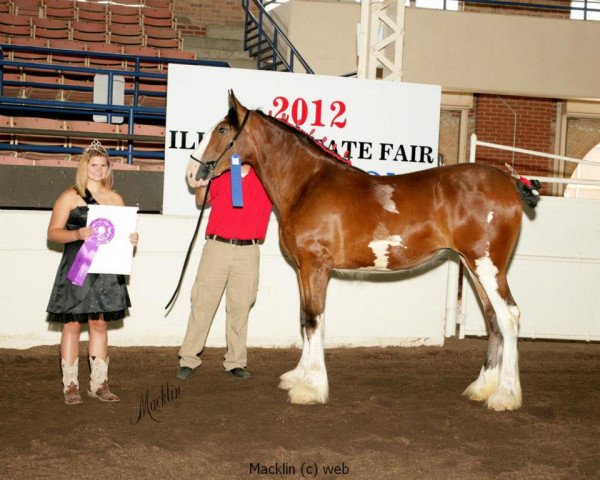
x,y
236,109
233,101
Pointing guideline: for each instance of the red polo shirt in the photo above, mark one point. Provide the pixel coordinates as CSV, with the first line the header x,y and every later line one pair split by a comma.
x,y
243,223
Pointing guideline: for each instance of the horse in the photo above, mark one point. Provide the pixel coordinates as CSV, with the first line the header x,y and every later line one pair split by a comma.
x,y
333,216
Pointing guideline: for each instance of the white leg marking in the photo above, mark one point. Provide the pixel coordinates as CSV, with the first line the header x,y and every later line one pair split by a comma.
x,y
508,394
490,217
485,385
291,378
313,388
383,194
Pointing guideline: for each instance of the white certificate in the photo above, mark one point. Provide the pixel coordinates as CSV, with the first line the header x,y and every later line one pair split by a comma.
x,y
116,256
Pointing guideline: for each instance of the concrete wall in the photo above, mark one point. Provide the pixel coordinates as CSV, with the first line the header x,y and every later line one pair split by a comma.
x,y
37,187
375,312
508,54
461,51
323,32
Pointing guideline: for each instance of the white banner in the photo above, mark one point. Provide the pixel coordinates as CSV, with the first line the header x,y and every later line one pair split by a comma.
x,y
387,127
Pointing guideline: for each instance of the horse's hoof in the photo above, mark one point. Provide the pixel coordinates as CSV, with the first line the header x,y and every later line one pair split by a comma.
x,y
502,400
482,388
288,380
306,393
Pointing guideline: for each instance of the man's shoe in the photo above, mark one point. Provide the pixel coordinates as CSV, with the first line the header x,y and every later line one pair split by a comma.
x,y
184,373
241,373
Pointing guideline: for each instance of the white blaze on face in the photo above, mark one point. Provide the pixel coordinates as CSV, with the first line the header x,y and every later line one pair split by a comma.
x,y
381,250
199,152
490,217
383,194
193,165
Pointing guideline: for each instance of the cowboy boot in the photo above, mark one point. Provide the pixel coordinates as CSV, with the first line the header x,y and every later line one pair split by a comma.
x,y
70,382
99,381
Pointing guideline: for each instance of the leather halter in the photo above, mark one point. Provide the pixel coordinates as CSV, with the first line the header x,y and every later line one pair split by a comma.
x,y
210,166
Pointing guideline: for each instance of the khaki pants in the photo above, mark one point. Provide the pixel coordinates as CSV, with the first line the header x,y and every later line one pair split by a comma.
x,y
230,267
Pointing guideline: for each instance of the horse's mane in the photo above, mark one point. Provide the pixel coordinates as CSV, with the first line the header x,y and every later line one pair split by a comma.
x,y
303,136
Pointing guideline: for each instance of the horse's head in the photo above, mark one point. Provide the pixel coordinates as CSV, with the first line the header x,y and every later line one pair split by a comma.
x,y
212,157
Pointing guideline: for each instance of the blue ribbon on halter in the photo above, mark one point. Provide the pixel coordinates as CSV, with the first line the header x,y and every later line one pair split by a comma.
x,y
237,199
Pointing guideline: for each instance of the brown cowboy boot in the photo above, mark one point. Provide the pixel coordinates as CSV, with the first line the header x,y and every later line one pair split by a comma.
x,y
70,382
99,381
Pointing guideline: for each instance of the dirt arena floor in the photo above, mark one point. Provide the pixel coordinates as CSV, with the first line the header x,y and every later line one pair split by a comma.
x,y
394,413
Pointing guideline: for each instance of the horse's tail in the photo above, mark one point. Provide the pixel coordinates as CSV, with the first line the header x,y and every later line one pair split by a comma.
x,y
529,190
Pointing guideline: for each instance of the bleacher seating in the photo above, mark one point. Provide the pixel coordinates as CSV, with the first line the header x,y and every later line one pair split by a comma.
x,y
31,8
91,12
50,28
14,26
61,9
126,34
152,24
161,37
65,44
72,45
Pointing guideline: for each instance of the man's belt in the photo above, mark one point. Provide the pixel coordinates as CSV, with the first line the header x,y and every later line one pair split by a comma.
x,y
234,241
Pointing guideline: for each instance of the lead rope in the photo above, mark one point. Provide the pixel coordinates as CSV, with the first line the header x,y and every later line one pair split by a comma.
x,y
187,256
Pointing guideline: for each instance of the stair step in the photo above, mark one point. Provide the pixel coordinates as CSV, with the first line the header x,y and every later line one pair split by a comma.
x,y
255,47
249,64
213,43
216,54
268,49
228,31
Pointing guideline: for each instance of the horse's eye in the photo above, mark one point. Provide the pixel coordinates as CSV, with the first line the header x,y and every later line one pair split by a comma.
x,y
222,130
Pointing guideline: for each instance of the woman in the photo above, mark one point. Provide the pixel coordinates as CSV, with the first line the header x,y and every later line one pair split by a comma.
x,y
102,297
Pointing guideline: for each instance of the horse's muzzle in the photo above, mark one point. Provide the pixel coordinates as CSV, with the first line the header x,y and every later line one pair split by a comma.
x,y
205,170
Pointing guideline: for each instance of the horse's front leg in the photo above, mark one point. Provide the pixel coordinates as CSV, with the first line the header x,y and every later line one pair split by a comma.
x,y
313,387
291,378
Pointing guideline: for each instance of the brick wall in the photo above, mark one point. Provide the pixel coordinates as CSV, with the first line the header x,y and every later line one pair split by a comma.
x,y
528,11
194,15
535,130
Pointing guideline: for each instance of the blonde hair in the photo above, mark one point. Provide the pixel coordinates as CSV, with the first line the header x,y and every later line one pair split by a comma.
x,y
81,177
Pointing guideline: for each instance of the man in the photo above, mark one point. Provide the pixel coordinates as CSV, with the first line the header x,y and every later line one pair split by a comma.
x,y
230,261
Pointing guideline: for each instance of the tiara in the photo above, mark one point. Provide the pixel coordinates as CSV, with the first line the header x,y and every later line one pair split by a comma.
x,y
95,145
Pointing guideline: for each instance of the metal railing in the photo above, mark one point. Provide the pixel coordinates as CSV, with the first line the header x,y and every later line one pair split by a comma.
x,y
65,109
265,41
559,180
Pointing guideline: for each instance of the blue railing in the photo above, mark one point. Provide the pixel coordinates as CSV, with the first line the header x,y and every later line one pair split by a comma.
x,y
265,41
65,109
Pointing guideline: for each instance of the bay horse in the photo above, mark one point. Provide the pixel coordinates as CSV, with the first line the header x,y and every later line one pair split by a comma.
x,y
333,216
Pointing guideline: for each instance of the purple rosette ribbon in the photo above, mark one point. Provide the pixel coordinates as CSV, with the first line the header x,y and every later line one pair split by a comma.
x,y
103,232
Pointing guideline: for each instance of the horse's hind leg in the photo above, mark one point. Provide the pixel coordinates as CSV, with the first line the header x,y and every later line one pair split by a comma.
x,y
487,382
507,395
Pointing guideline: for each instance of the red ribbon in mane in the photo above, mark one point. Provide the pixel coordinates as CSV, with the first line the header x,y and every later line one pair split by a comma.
x,y
318,143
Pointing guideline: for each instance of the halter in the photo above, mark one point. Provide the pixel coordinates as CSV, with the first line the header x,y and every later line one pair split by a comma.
x,y
209,167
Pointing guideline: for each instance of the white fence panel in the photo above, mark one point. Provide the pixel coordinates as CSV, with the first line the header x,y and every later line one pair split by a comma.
x,y
359,313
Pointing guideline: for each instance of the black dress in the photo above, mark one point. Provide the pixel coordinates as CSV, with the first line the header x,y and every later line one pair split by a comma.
x,y
104,294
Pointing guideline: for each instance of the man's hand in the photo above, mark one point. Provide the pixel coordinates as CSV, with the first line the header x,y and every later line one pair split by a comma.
x,y
198,183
